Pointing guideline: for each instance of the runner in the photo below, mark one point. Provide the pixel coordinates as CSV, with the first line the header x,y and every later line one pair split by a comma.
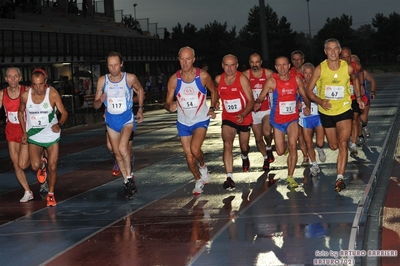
x,y
261,127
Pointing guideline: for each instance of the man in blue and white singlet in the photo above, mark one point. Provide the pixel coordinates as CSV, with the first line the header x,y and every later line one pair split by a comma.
x,y
312,123
115,90
189,85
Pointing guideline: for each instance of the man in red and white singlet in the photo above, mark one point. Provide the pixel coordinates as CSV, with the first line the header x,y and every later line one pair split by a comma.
x,y
345,55
261,126
19,155
237,101
284,111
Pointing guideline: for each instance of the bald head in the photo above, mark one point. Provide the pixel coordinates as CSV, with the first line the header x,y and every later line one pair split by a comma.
x,y
186,49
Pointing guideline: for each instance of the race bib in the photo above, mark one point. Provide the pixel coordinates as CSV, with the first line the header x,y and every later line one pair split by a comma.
x,y
233,106
116,100
314,109
39,120
116,106
256,94
191,103
287,108
13,117
334,92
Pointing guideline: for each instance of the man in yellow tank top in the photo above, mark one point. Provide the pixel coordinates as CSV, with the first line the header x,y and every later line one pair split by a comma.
x,y
332,78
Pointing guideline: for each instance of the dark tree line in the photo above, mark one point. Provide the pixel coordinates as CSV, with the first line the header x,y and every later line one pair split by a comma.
x,y
375,42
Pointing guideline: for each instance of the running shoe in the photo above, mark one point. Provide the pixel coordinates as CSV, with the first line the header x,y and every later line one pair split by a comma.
x,y
28,195
287,148
229,184
130,188
44,188
115,171
339,185
270,155
306,162
198,187
41,173
51,200
246,164
360,141
353,150
366,132
291,182
204,175
271,180
314,170
266,165
321,155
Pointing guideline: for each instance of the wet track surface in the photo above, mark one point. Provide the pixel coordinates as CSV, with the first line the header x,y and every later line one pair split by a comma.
x,y
260,223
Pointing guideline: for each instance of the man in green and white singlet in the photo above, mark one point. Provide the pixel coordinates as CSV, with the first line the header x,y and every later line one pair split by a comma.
x,y
42,128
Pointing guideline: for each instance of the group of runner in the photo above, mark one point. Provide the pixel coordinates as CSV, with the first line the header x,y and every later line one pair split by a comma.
x,y
286,106
33,129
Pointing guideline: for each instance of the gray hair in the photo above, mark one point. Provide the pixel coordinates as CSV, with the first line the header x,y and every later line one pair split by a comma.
x,y
331,40
16,68
307,65
223,58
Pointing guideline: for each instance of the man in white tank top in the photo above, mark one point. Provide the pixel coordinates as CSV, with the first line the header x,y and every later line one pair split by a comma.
x,y
115,91
190,85
42,129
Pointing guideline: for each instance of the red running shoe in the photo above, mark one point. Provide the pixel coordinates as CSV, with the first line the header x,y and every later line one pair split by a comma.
x,y
246,165
270,155
41,173
115,171
51,200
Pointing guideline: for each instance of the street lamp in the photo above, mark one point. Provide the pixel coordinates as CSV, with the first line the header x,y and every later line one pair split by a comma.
x,y
309,30
134,10
263,27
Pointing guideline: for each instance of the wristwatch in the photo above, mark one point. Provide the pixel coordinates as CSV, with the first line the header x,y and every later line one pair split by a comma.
x,y
141,107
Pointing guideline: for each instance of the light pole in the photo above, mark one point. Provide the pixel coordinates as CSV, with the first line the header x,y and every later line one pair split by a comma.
x,y
309,30
134,9
264,38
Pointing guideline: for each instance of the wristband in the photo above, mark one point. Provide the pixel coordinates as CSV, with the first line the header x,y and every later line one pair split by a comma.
x,y
212,108
141,107
373,92
358,97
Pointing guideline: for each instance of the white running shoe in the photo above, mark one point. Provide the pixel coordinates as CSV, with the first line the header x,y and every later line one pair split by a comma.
x,y
198,187
314,169
321,155
205,176
27,196
353,150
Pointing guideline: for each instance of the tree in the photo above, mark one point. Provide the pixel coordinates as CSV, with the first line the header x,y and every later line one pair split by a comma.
x,y
281,38
187,33
385,38
338,28
364,45
216,41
